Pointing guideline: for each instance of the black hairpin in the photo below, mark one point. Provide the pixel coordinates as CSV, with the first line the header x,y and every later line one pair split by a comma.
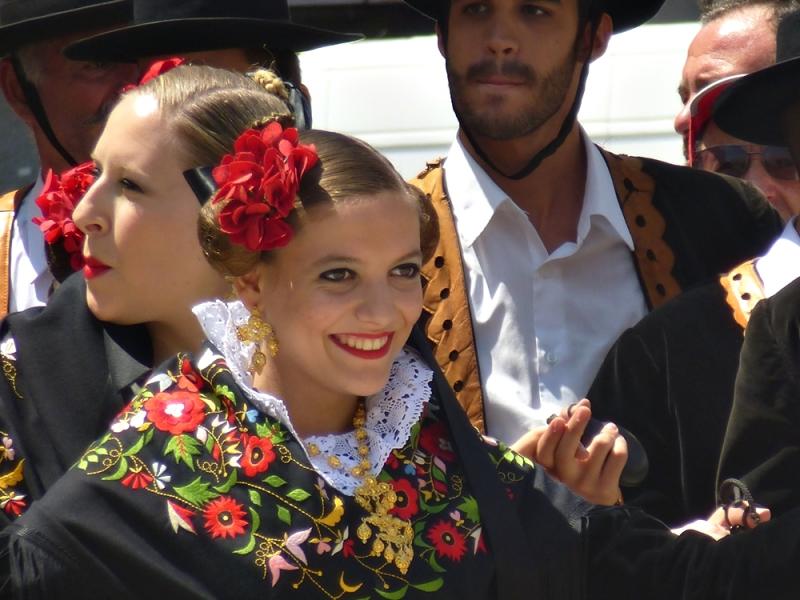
x,y
202,182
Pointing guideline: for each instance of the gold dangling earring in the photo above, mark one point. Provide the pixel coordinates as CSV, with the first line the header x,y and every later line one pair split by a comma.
x,y
256,331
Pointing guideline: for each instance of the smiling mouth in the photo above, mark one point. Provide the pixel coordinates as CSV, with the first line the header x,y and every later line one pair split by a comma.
x,y
364,346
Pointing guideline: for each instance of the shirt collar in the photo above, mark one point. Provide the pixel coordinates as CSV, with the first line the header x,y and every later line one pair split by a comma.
x,y
475,197
781,264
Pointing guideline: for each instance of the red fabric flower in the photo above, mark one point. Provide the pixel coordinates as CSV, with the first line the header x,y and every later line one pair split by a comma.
x,y
190,379
137,479
257,454
447,541
407,499
155,69
57,201
224,518
176,412
258,185
435,439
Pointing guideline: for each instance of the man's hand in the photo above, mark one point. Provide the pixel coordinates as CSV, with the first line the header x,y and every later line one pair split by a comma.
x,y
592,471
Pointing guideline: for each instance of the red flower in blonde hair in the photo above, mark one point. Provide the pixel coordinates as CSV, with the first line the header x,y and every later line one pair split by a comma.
x,y
155,69
258,185
57,201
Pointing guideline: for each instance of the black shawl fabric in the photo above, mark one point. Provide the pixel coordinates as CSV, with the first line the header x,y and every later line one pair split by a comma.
x,y
669,380
762,441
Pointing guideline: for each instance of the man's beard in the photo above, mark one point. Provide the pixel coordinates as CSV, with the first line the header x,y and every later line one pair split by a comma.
x,y
486,122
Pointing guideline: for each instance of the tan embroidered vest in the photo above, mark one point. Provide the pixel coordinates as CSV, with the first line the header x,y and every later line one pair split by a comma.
x,y
744,289
8,207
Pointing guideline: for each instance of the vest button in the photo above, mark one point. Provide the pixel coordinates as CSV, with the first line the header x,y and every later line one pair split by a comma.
x,y
453,355
445,293
447,324
458,386
439,262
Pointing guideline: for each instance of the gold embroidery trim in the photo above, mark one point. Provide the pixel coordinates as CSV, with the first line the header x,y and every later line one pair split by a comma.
x,y
744,289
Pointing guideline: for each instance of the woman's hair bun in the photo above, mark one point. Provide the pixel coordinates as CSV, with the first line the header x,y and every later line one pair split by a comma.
x,y
270,81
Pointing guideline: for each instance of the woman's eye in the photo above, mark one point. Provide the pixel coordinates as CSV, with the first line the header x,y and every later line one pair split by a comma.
x,y
337,275
475,8
95,171
409,270
129,185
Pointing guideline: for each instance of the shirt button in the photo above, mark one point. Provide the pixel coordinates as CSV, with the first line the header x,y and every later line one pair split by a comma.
x,y
551,358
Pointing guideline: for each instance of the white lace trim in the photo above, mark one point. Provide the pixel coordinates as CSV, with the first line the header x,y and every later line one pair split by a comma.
x,y
391,413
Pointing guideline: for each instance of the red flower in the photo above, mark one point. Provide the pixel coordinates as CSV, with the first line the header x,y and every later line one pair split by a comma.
x,y
257,454
348,548
176,412
407,499
14,505
190,379
57,201
447,541
137,479
435,439
258,185
224,518
155,69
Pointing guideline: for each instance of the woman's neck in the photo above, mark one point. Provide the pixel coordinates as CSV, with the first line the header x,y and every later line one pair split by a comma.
x,y
170,338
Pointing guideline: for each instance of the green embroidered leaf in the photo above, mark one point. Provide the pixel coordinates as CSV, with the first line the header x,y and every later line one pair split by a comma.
x,y
248,548
438,474
101,451
273,431
226,487
120,472
395,595
509,455
255,519
255,497
133,450
196,493
298,495
429,586
435,565
418,527
92,458
83,465
148,436
263,430
433,508
275,481
183,448
225,392
284,515
470,509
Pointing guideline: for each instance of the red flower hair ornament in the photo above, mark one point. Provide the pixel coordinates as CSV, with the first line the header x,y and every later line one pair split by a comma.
x,y
258,185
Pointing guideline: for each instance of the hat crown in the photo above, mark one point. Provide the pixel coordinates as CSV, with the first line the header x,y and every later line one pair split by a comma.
x,y
147,11
16,11
788,37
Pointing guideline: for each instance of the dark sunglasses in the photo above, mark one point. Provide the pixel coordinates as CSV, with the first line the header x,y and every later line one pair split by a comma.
x,y
734,160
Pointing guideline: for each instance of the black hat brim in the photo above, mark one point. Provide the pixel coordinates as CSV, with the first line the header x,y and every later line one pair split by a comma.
x,y
200,34
46,27
753,108
625,14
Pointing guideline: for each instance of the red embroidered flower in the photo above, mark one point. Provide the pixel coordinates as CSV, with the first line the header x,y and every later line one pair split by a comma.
x,y
447,541
349,548
137,479
14,505
57,201
435,439
224,518
176,412
258,184
257,454
407,499
190,379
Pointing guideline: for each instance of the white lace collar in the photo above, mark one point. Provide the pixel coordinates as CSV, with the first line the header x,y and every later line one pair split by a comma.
x,y
390,414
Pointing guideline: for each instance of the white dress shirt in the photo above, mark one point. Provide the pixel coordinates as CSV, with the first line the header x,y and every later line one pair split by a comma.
x,y
543,322
781,264
30,278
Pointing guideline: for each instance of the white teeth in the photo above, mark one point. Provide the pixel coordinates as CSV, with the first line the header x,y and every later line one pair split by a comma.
x,y
359,343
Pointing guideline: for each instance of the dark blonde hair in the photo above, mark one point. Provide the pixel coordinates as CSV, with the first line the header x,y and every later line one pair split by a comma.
x,y
348,168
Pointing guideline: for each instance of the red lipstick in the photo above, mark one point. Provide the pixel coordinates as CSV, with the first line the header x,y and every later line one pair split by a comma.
x,y
94,268
348,341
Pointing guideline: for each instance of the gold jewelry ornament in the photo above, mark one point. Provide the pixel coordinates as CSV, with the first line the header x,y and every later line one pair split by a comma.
x,y
256,331
392,536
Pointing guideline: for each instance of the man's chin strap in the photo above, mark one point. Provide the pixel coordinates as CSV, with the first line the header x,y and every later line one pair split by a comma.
x,y
555,143
36,108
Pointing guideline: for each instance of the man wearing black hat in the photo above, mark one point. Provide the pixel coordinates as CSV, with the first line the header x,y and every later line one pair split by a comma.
x,y
64,104
550,247
236,34
762,443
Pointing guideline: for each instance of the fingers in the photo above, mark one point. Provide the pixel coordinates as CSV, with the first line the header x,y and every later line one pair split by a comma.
x,y
744,516
527,445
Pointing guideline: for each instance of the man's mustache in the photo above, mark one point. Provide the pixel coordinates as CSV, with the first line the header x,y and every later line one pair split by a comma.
x,y
511,69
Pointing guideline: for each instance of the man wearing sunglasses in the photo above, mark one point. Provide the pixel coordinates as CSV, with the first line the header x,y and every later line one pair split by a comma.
x,y
670,379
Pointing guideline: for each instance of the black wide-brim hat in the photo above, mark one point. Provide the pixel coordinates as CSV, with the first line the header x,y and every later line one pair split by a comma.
x,y
626,14
174,26
30,21
753,108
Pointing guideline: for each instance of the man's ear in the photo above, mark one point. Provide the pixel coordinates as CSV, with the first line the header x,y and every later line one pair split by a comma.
x,y
605,28
249,287
12,91
440,41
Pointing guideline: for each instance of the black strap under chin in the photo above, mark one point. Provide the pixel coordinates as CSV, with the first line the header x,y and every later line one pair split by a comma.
x,y
202,182
37,109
